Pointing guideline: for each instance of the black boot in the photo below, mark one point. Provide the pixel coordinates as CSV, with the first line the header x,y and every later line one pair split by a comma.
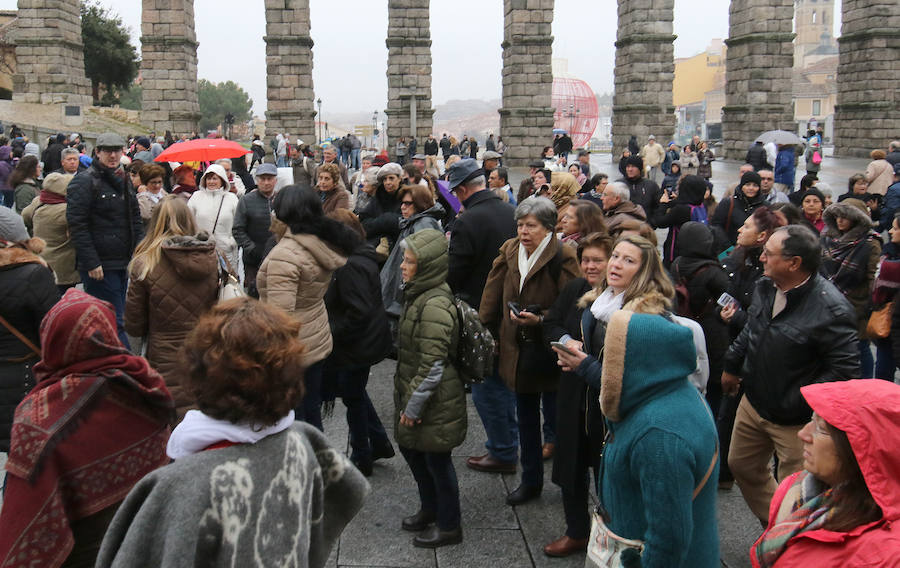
x,y
523,494
363,465
433,537
384,450
418,522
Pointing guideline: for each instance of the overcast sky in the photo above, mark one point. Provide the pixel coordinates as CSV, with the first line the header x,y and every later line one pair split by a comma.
x,y
350,57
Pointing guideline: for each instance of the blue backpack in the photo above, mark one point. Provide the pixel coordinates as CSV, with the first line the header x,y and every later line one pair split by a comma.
x,y
698,214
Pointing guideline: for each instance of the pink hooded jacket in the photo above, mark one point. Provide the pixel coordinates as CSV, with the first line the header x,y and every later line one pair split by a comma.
x,y
868,410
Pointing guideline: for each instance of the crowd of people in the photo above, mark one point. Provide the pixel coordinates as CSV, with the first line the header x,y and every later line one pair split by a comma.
x,y
755,345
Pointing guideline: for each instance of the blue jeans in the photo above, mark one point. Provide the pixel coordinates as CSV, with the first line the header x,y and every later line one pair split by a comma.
x,y
366,429
281,162
496,405
310,409
354,158
528,410
111,289
884,359
438,487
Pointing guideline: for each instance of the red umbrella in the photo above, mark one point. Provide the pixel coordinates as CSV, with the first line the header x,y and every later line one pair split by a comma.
x,y
202,150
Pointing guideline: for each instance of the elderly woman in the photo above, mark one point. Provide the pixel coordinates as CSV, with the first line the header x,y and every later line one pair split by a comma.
x,y
96,423
581,218
331,186
857,187
842,508
524,282
296,274
381,217
879,173
213,207
248,482
579,425
429,397
151,176
812,203
368,184
850,253
661,446
418,211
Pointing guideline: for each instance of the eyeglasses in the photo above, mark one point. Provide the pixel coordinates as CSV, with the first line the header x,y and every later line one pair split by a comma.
x,y
402,203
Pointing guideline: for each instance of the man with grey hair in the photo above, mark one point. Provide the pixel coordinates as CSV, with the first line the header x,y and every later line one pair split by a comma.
x,y
617,205
893,153
235,183
485,223
766,185
70,159
800,330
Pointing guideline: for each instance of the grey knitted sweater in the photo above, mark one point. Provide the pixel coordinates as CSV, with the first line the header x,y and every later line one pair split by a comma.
x,y
280,502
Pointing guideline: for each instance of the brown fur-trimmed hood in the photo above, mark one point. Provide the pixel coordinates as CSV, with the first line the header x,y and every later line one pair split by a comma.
x,y
22,253
854,210
652,303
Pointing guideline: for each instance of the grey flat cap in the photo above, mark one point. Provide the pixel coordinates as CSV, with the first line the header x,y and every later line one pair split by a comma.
x,y
110,140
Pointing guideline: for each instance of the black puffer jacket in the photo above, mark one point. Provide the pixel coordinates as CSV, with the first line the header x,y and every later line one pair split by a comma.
x,y
251,226
27,292
475,241
359,324
731,214
743,269
381,217
644,192
104,218
813,339
677,212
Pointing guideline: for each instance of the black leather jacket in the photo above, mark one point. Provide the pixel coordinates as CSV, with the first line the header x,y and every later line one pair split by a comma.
x,y
812,340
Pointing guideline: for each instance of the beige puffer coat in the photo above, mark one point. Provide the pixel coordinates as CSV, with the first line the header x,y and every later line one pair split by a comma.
x,y
48,221
294,277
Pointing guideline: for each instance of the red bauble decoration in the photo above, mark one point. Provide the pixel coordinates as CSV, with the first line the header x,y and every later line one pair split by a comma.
x,y
576,109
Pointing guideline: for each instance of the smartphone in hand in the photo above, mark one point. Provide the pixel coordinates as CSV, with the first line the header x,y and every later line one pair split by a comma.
x,y
726,300
514,307
562,347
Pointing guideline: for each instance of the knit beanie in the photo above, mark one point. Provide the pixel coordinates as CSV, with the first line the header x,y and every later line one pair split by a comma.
x,y
12,228
751,177
813,191
635,161
390,168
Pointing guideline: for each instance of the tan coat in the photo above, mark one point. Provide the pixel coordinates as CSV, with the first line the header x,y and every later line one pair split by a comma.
x,y
540,289
48,221
880,175
147,205
337,198
165,306
294,277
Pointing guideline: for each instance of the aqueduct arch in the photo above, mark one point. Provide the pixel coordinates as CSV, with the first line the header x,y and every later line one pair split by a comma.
x,y
758,69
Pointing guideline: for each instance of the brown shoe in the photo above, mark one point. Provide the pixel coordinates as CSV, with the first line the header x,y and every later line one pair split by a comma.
x,y
490,464
565,546
548,450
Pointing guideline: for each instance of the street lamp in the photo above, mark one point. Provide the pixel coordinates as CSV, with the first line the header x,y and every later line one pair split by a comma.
x,y
319,102
374,127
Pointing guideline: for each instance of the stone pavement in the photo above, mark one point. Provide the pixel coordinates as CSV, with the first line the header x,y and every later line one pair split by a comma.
x,y
494,534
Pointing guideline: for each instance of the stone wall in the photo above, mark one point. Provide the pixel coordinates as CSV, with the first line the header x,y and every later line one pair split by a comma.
x,y
408,71
867,115
49,54
169,66
645,69
526,118
289,65
758,67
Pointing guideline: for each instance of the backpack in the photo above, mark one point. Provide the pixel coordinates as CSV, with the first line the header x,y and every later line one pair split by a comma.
x,y
683,294
474,356
698,214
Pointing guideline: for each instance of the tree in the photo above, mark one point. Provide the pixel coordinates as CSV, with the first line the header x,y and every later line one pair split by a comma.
x,y
131,98
219,99
109,58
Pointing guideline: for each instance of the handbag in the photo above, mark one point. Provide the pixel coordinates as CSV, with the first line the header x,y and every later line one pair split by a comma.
x,y
229,286
605,548
816,157
880,321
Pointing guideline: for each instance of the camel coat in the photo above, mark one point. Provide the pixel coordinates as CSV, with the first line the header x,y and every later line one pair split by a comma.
x,y
542,286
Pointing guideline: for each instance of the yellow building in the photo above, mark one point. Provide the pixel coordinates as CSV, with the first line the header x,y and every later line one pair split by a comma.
x,y
695,76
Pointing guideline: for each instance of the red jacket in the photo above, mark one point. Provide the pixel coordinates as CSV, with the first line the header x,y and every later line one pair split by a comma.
x,y
869,412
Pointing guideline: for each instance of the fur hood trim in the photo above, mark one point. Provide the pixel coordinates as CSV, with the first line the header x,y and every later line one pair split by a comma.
x,y
23,253
852,209
653,303
614,364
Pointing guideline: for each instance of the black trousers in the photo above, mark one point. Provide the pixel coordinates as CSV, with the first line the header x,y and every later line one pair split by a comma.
x,y
438,487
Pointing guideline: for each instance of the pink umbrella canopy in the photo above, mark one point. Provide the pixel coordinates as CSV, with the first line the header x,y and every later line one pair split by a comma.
x,y
202,150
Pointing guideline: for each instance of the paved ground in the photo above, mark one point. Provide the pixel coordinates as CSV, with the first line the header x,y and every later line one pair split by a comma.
x,y
495,534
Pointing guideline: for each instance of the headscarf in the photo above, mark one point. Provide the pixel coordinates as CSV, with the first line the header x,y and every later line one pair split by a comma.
x,y
95,424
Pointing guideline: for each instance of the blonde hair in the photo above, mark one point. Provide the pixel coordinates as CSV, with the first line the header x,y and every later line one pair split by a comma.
x,y
171,218
650,291
451,160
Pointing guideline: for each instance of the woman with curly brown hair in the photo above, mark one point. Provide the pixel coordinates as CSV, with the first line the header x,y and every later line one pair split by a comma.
x,y
247,481
331,186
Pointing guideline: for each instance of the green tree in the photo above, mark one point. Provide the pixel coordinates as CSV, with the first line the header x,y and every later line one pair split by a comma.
x,y
218,99
109,58
131,98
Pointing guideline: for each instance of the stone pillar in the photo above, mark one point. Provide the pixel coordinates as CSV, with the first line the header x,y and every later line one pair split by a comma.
x,y
866,116
408,72
758,68
289,64
50,54
526,119
645,69
169,66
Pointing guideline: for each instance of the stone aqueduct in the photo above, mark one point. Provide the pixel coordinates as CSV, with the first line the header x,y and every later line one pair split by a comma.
x,y
758,69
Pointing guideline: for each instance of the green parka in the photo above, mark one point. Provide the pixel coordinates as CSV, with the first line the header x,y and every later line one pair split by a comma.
x,y
427,386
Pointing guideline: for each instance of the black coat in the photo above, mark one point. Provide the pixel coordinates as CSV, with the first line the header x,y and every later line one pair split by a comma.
x,y
756,157
644,192
431,147
478,232
359,324
676,213
731,214
579,422
381,217
812,340
251,226
743,269
104,218
27,292
52,157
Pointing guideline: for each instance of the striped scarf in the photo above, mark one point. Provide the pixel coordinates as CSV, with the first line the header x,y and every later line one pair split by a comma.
x,y
844,262
806,506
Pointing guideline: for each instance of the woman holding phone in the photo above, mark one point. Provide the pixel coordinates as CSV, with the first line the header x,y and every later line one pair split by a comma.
x,y
579,424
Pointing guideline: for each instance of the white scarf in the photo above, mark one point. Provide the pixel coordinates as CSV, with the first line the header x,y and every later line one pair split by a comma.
x,y
198,431
527,262
607,303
